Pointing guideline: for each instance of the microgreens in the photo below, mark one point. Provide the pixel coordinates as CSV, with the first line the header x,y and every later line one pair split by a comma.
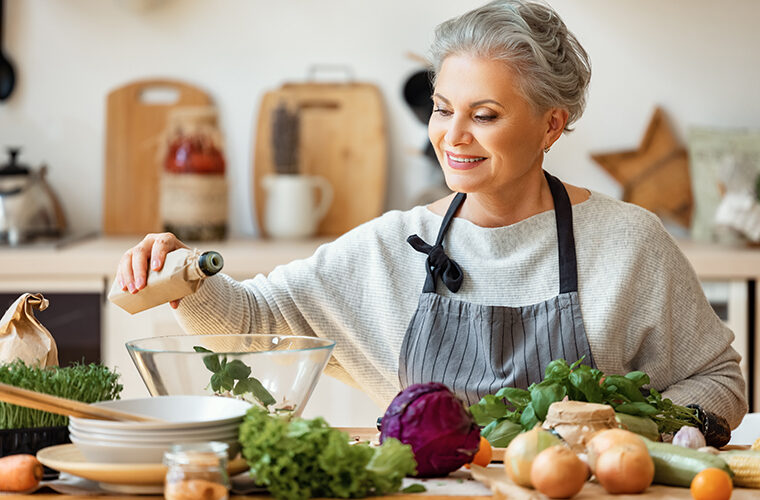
x,y
86,383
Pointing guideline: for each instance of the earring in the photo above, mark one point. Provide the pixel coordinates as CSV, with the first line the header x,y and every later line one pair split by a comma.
x,y
546,149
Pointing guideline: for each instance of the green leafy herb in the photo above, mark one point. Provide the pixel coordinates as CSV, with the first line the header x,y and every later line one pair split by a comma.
x,y
296,458
225,373
500,412
87,383
416,488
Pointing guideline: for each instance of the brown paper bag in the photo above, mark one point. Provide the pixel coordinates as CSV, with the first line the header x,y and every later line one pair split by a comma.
x,y
23,337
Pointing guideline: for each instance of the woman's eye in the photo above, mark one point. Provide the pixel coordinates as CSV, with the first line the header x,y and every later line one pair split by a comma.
x,y
485,118
441,111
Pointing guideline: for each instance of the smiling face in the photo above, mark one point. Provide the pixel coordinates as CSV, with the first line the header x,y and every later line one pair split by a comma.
x,y
485,133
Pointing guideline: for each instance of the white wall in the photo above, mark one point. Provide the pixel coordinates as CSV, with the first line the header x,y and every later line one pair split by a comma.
x,y
697,58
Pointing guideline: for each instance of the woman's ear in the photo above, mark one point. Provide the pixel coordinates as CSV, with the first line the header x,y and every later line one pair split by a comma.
x,y
556,119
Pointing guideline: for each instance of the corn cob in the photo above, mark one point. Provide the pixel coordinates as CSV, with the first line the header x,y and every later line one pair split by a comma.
x,y
745,464
756,445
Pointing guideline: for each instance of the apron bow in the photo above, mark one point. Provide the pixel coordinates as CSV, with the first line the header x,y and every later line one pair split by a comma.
x,y
438,264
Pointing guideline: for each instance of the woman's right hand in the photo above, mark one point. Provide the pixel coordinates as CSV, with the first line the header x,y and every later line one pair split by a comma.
x,y
151,252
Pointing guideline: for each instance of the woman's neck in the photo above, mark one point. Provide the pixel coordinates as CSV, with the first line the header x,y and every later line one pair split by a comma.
x,y
527,196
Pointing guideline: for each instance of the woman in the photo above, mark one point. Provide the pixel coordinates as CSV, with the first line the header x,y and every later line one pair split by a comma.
x,y
516,268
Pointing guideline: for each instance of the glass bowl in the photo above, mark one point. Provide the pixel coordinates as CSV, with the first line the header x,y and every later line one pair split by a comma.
x,y
278,372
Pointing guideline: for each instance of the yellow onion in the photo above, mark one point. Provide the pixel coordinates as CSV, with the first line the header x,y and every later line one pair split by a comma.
x,y
519,455
625,468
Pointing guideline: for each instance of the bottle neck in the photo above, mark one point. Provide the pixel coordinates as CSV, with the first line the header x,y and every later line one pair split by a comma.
x,y
209,263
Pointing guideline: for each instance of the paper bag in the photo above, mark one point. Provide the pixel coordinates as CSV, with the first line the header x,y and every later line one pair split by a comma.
x,y
23,337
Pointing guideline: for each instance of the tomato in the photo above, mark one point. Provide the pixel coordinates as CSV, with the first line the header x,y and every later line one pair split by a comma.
x,y
711,484
484,455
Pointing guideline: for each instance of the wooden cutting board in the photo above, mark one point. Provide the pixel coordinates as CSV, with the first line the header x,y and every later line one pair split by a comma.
x,y
135,123
342,138
495,477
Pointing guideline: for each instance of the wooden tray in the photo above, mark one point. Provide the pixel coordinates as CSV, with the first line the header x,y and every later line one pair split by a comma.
x,y
496,478
342,138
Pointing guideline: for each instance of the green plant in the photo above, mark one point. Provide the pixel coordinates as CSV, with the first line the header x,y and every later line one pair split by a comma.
x,y
296,458
233,376
502,412
87,383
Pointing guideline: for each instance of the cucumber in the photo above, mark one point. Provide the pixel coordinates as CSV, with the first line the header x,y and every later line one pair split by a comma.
x,y
677,466
643,426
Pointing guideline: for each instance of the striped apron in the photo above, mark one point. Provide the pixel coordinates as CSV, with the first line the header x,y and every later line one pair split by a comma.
x,y
475,349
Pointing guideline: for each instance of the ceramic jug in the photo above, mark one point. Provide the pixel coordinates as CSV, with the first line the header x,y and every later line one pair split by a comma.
x,y
293,209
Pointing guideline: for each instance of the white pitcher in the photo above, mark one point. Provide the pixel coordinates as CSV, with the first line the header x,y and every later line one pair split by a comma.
x,y
292,210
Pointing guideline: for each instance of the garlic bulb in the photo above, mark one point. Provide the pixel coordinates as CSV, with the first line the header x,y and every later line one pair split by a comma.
x,y
689,437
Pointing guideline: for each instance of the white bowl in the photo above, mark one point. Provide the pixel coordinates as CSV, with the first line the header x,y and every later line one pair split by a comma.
x,y
178,412
134,453
232,429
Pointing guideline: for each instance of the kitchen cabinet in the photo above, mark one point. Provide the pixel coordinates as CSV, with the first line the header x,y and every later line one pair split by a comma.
x,y
89,267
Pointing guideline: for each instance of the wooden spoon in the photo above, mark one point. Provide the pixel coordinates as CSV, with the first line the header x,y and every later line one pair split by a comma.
x,y
63,406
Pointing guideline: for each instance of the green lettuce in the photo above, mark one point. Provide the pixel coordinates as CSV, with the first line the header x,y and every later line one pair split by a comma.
x,y
296,458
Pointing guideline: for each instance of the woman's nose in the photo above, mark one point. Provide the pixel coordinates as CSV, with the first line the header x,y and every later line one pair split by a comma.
x,y
457,133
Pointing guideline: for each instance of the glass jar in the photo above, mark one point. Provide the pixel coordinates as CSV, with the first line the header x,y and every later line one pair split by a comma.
x,y
193,185
196,471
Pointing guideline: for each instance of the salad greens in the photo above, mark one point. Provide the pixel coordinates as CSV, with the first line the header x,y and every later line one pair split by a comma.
x,y
225,373
512,410
87,383
296,458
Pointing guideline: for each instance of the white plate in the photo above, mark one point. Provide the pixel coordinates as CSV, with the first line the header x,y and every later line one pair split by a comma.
x,y
140,440
67,458
107,434
178,412
125,453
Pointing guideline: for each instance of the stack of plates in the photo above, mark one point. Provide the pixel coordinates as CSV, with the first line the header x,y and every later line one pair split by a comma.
x,y
186,419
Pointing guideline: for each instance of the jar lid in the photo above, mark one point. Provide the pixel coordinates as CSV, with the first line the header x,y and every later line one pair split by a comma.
x,y
210,454
578,412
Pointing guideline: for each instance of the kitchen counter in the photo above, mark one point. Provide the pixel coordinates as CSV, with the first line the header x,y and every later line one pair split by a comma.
x,y
245,257
399,496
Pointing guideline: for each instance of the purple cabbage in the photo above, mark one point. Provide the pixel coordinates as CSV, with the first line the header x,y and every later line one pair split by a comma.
x,y
436,424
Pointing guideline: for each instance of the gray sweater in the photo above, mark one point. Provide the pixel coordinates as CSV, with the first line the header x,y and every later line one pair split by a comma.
x,y
643,307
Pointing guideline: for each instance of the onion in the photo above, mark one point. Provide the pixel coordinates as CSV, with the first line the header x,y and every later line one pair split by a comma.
x,y
625,468
520,453
604,440
558,473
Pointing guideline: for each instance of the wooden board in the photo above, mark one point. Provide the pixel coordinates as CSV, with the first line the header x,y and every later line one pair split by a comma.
x,y
495,477
134,128
342,138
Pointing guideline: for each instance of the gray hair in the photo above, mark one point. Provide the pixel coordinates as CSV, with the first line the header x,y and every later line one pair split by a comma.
x,y
553,69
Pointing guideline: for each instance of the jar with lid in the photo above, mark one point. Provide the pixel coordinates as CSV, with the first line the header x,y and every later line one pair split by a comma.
x,y
196,470
576,422
193,185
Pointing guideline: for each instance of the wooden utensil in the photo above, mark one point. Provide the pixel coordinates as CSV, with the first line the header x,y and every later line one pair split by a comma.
x,y
134,128
342,138
63,406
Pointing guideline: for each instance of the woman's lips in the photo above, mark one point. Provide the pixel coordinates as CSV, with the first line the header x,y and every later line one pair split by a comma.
x,y
464,162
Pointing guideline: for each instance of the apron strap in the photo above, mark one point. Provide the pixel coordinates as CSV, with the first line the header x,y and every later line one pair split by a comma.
x,y
437,262
563,213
